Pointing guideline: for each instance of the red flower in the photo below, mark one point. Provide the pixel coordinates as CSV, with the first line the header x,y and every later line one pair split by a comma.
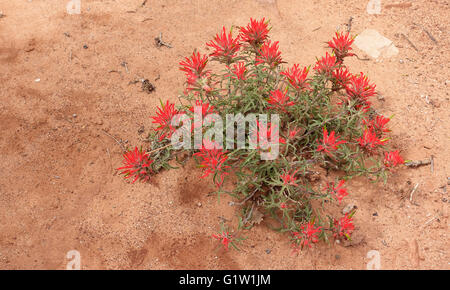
x,y
269,54
255,33
257,134
213,161
164,119
326,65
293,132
225,47
238,71
342,76
328,143
206,109
338,191
297,77
343,227
289,178
392,159
280,101
378,125
369,140
194,67
359,89
137,164
225,238
283,205
307,235
341,45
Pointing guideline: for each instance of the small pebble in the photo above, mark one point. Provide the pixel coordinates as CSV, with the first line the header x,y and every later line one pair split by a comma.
x,y
401,61
85,46
74,115
199,204
37,80
348,208
375,214
268,251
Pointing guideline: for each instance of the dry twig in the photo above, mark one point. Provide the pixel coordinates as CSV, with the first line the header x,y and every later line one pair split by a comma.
x,y
412,193
159,42
120,143
418,163
410,42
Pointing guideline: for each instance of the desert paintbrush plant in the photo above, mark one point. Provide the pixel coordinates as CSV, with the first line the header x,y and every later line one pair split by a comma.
x,y
319,117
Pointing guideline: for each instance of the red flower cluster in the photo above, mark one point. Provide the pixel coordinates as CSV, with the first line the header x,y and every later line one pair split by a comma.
x,y
225,47
225,239
206,110
255,33
370,141
359,89
328,143
137,164
326,65
213,161
392,159
289,178
342,76
238,72
307,235
343,227
279,100
339,191
164,119
378,125
269,54
341,45
263,133
297,77
293,132
194,67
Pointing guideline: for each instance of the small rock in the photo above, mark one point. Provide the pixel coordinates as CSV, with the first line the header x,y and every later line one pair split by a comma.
x,y
74,115
85,46
375,214
147,86
199,204
348,208
141,129
401,61
356,239
268,251
37,80
337,257
375,45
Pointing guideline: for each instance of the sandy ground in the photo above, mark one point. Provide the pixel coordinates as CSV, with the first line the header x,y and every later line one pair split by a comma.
x,y
58,187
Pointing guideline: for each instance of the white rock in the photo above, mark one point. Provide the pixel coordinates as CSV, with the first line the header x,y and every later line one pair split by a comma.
x,y
375,45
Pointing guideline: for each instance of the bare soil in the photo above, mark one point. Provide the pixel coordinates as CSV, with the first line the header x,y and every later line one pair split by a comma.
x,y
58,187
